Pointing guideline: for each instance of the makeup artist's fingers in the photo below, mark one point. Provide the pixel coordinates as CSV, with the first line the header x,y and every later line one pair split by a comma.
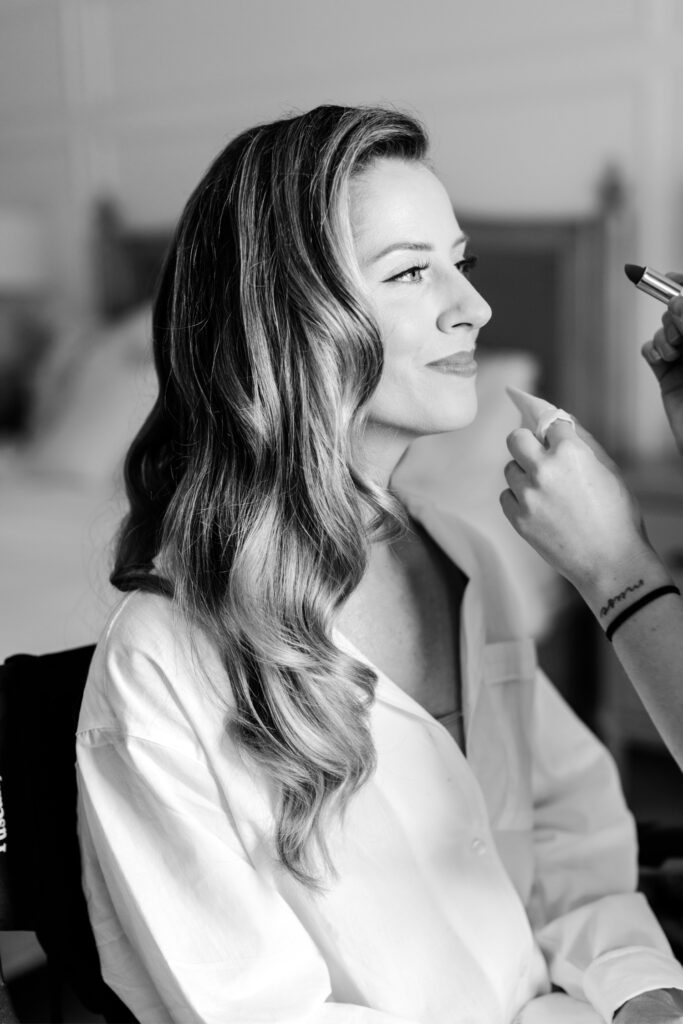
x,y
572,505
530,455
650,354
515,478
669,374
559,430
524,447
662,346
575,439
510,507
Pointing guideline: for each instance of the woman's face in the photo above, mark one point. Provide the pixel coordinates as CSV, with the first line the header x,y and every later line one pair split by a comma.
x,y
411,254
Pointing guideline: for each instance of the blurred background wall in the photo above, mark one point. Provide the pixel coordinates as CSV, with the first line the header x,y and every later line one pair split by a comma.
x,y
526,102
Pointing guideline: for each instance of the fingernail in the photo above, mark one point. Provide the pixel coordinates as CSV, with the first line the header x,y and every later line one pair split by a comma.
x,y
653,356
672,334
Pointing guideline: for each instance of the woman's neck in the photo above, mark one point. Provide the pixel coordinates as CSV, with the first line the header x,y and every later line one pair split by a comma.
x,y
382,448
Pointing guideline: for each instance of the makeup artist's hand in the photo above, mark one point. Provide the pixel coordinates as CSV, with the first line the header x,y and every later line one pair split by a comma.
x,y
663,353
568,500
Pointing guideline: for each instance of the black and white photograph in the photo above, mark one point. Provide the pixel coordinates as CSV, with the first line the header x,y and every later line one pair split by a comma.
x,y
341,512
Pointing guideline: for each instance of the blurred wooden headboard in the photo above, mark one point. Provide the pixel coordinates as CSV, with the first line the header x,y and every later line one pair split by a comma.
x,y
127,261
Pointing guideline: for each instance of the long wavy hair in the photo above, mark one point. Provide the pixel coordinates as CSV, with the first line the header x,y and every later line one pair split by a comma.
x,y
243,482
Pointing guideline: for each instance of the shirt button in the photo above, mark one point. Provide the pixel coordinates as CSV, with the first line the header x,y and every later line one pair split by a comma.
x,y
479,846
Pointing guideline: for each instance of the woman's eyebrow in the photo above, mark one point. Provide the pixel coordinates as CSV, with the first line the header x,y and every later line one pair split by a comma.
x,y
412,247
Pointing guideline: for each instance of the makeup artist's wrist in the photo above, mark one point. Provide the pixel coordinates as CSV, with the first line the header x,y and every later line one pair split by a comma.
x,y
610,589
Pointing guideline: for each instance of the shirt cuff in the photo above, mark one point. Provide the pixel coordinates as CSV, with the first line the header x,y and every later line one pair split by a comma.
x,y
615,977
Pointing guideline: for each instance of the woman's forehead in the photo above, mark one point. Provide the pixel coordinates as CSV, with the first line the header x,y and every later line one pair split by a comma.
x,y
399,200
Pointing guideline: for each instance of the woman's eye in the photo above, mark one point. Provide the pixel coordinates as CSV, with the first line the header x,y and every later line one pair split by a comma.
x,y
466,265
411,276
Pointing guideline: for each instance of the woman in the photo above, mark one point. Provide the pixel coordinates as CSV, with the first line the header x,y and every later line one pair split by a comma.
x,y
569,501
278,821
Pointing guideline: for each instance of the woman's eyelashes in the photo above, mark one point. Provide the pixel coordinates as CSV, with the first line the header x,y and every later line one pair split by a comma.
x,y
413,274
467,264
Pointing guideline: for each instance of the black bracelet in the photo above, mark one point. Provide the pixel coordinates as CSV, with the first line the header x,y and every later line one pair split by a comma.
x,y
637,605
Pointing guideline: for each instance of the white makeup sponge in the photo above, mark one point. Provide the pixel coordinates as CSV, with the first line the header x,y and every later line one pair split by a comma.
x,y
537,414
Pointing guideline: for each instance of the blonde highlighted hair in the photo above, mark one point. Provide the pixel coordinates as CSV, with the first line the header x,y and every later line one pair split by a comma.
x,y
244,473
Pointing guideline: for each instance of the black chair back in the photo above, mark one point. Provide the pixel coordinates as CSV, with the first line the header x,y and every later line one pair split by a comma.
x,y
40,864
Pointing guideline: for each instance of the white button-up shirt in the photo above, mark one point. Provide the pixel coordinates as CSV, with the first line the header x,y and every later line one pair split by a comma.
x,y
465,885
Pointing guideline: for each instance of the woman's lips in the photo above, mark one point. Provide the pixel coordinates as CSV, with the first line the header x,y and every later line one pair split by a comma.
x,y
461,363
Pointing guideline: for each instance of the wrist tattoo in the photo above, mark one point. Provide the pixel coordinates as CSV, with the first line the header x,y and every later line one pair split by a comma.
x,y
614,601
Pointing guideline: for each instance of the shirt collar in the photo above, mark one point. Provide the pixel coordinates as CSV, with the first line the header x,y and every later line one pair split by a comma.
x,y
451,535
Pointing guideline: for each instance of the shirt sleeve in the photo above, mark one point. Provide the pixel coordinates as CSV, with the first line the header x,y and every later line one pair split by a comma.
x,y
177,907
600,937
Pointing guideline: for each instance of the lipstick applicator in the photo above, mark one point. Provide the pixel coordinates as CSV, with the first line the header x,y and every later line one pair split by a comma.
x,y
653,283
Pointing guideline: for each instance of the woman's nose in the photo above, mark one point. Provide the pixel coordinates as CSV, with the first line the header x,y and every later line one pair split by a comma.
x,y
463,305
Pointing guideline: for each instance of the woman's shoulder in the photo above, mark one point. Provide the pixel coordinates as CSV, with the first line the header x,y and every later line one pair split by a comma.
x,y
141,620
143,628
151,670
